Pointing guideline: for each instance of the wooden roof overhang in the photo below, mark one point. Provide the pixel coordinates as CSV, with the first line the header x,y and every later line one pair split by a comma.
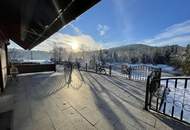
x,y
29,22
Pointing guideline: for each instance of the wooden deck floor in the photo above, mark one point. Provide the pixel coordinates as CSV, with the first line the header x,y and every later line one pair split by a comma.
x,y
45,101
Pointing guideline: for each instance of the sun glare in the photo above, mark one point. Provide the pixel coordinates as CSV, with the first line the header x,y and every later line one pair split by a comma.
x,y
74,45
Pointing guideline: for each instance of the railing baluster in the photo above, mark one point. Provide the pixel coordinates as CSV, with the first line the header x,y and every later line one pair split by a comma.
x,y
185,86
86,67
96,68
157,100
164,109
172,110
138,69
110,69
135,74
147,93
181,117
173,107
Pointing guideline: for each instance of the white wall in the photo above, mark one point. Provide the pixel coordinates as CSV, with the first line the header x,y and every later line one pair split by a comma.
x,y
3,64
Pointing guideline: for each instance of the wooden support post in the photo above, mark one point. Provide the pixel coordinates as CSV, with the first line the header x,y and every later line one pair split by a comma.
x,y
1,77
7,60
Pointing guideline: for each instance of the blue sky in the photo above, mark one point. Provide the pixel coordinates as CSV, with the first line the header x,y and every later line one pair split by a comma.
x,y
113,23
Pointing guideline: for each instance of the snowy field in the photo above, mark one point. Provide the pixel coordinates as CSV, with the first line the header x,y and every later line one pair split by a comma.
x,y
139,72
178,97
165,68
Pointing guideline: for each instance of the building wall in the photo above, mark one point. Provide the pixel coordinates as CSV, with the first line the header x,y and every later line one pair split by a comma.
x,y
3,60
3,65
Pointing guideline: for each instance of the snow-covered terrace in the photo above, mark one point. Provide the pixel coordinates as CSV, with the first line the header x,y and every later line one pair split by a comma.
x,y
46,101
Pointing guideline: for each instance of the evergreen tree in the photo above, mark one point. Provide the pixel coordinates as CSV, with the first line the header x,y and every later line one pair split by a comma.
x,y
115,56
167,56
158,58
101,57
186,63
134,60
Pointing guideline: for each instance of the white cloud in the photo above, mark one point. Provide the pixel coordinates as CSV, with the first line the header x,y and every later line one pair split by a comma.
x,y
119,6
76,29
175,30
81,42
124,15
102,29
174,34
78,42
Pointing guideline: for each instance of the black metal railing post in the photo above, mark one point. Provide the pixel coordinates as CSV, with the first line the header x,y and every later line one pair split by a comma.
x,y
164,96
185,86
174,98
147,94
96,68
110,69
86,67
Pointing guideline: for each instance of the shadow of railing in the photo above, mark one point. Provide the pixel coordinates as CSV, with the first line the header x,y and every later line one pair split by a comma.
x,y
114,99
103,106
127,90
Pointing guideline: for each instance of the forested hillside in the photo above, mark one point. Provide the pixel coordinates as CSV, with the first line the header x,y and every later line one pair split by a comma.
x,y
174,55
139,53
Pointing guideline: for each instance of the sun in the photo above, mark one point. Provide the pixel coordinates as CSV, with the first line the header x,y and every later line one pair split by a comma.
x,y
74,45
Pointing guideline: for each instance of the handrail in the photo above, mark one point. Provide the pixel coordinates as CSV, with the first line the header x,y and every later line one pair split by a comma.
x,y
172,78
168,78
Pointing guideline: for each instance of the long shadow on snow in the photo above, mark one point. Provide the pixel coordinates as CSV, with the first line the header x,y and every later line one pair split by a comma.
x,y
125,86
127,90
116,101
103,106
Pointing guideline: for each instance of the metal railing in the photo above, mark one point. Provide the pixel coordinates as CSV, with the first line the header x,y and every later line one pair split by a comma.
x,y
141,72
137,72
99,69
169,96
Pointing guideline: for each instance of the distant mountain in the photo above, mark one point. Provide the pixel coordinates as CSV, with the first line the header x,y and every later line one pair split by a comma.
x,y
143,47
132,46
